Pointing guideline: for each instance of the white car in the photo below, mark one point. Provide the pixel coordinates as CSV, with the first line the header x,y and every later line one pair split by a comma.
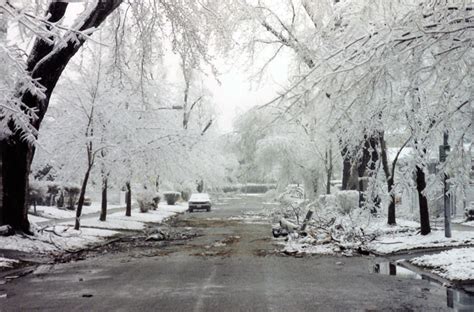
x,y
199,201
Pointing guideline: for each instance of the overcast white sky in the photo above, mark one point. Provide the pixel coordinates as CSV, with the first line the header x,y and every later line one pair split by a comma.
x,y
236,94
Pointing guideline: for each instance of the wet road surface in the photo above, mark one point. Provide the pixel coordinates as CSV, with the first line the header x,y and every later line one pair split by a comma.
x,y
231,265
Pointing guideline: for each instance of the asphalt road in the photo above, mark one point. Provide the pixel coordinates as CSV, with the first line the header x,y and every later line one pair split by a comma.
x,y
231,266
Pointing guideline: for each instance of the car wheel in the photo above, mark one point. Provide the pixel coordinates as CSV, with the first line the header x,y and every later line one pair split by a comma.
x,y
190,210
208,209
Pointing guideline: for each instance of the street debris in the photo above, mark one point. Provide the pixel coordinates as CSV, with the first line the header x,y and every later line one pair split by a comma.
x,y
8,263
331,226
6,230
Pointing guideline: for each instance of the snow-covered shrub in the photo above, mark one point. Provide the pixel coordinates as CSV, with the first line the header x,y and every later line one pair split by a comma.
x,y
171,197
37,193
200,186
292,203
230,188
293,191
329,202
185,195
347,201
186,190
254,188
53,190
71,192
147,200
271,195
156,200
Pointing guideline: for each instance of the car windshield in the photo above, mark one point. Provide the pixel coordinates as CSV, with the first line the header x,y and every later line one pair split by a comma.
x,y
199,197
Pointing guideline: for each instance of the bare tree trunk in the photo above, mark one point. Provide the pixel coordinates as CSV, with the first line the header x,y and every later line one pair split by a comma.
x,y
423,201
346,169
128,200
103,208
369,157
349,171
82,195
353,182
390,180
16,155
329,170
2,219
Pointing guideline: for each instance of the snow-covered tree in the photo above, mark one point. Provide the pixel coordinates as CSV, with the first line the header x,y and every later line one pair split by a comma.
x,y
373,70
55,44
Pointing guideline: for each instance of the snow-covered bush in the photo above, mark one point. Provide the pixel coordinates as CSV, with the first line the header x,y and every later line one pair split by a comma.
x,y
271,194
53,190
171,197
71,192
43,192
347,201
329,202
293,204
230,188
254,188
185,195
147,200
293,191
156,199
37,193
186,189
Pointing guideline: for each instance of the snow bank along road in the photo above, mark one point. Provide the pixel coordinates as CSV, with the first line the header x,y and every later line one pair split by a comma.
x,y
230,266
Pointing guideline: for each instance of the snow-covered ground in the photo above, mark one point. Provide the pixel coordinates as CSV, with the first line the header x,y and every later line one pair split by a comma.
x,y
51,212
64,237
252,194
391,243
118,220
304,247
55,238
454,264
36,219
462,221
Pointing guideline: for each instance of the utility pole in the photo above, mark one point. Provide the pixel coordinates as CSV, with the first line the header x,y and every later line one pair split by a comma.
x,y
443,153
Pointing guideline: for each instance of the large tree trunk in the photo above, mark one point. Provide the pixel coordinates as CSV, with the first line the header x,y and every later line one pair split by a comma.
x,y
423,201
128,200
46,66
103,207
15,160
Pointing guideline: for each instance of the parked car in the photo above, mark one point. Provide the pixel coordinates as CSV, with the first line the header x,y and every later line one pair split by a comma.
x,y
199,201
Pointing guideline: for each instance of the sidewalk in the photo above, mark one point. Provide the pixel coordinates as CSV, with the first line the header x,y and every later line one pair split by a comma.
x,y
58,235
84,216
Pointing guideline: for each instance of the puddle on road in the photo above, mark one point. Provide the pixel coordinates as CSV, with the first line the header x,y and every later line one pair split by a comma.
x,y
456,299
391,268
